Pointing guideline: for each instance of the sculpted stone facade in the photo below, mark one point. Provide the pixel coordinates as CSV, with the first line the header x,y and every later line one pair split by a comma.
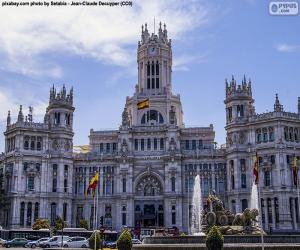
x,y
147,166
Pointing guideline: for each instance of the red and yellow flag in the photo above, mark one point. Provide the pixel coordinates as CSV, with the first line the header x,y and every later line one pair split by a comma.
x,y
256,170
93,184
295,171
143,104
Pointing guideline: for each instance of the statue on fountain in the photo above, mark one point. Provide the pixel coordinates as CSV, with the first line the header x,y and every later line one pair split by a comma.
x,y
230,223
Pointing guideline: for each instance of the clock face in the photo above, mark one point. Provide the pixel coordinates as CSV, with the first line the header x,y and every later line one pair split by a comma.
x,y
152,51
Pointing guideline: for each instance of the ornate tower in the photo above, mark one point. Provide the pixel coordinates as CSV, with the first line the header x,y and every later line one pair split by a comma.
x,y
239,101
154,57
59,114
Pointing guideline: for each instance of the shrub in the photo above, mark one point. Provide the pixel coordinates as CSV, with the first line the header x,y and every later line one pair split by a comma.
x,y
84,224
214,239
124,242
92,240
40,223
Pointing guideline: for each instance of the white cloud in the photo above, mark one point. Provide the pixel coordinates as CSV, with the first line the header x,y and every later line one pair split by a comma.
x,y
103,33
180,63
283,47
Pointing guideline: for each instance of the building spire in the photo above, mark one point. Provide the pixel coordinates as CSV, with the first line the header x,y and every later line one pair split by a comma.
x,y
20,115
8,119
277,106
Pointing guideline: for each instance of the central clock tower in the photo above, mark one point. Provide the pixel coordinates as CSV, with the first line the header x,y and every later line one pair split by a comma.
x,y
154,59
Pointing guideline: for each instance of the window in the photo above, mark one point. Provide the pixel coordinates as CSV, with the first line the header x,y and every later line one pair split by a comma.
x,y
244,204
32,143
22,213
265,135
200,144
187,144
39,144
65,211
161,144
276,210
232,182
157,82
173,214
114,147
269,205
142,145
193,144
29,213
65,185
244,180
155,143
267,178
79,214
233,207
30,183
101,147
272,159
107,147
263,210
54,185
206,187
230,113
136,144
26,142
173,180
36,211
124,219
258,136
152,116
56,118
149,144
124,185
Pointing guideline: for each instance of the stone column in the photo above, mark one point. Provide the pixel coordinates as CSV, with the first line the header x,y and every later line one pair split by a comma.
x,y
266,214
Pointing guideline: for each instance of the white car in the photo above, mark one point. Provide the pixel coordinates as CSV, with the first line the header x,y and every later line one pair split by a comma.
x,y
2,241
55,241
36,243
76,242
136,241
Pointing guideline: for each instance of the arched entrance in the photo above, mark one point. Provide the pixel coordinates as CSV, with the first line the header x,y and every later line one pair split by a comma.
x,y
148,206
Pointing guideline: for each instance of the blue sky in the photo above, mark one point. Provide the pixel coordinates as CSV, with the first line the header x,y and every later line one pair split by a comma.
x,y
94,50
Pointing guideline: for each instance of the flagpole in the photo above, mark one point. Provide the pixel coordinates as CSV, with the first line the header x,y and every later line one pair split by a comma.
x,y
260,219
95,236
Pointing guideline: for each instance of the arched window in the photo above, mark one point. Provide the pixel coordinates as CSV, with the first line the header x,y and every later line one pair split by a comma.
x,y
32,143
267,178
26,142
22,213
232,182
276,210
269,206
36,211
258,136
244,180
291,134
244,204
53,213
173,180
39,143
29,213
265,135
286,137
152,117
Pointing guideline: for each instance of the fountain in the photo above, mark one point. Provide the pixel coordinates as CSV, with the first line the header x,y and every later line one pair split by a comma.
x,y
254,197
197,208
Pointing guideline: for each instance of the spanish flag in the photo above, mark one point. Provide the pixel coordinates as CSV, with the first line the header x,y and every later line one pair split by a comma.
x,y
143,104
93,184
255,169
295,171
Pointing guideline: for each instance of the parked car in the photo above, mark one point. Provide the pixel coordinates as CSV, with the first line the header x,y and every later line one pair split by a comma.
x,y
55,241
36,243
16,242
76,242
2,242
136,241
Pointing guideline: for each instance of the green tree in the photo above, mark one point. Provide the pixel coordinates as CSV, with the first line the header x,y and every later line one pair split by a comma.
x,y
59,224
92,240
214,239
83,224
40,223
125,241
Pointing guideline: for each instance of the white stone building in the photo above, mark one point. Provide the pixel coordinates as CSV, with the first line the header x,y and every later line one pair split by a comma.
x,y
147,166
